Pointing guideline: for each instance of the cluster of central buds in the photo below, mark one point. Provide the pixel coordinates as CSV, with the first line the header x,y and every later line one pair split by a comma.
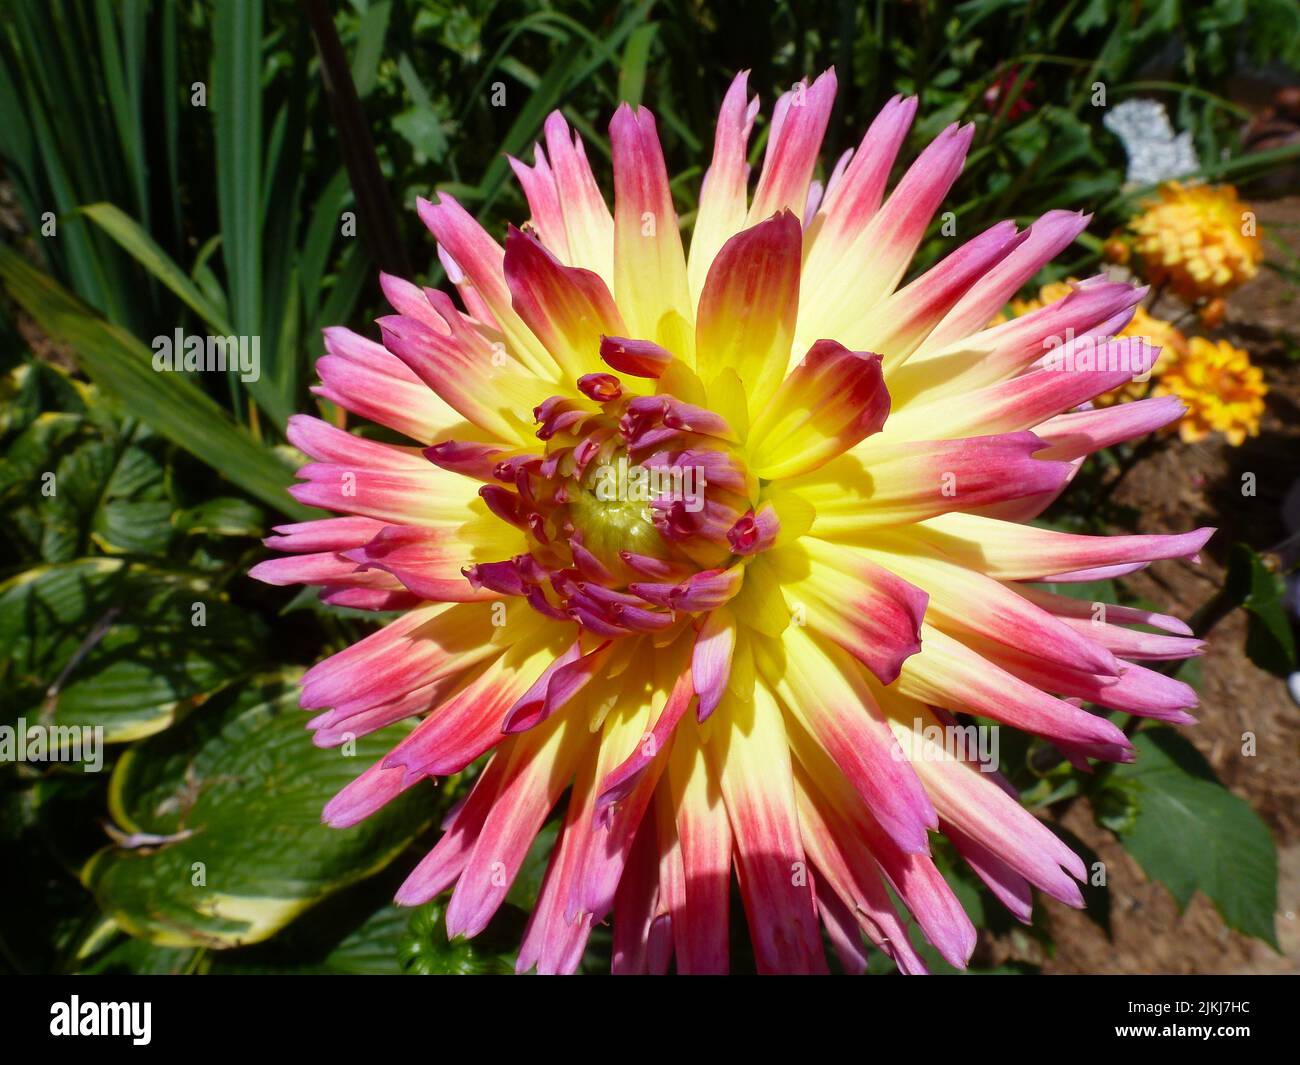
x,y
639,512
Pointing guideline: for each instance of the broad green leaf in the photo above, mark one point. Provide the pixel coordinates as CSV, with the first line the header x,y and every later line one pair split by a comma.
x,y
320,943
1192,834
229,804
109,491
32,451
108,951
33,388
1270,643
137,527
223,516
99,642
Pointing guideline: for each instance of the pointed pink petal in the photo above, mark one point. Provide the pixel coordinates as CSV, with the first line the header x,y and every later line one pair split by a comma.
x,y
792,148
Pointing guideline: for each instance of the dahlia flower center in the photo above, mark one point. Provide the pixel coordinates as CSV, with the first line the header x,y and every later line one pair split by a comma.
x,y
638,513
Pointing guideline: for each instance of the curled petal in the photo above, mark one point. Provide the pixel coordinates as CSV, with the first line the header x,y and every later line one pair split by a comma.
x,y
872,613
711,659
568,309
748,307
832,400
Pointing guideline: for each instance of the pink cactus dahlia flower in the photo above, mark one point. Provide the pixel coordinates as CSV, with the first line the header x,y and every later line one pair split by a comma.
x,y
717,541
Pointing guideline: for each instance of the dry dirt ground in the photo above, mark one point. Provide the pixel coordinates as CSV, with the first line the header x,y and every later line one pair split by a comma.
x,y
1181,487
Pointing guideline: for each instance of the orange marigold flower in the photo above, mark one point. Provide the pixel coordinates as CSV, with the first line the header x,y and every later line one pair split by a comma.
x,y
1117,250
1213,313
1200,239
1223,392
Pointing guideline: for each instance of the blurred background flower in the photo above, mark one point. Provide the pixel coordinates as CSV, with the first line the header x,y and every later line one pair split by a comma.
x,y
1200,240
1223,392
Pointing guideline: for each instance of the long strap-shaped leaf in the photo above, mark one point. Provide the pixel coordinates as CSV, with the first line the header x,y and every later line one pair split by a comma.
x,y
136,240
169,402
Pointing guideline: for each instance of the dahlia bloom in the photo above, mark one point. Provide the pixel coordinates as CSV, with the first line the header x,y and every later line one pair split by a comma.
x,y
717,543
1223,392
1200,239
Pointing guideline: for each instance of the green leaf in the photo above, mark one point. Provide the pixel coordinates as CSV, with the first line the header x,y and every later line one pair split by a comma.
x,y
109,951
1270,643
132,527
32,451
98,642
112,492
1103,591
370,46
422,123
1192,834
223,516
142,247
237,104
321,943
636,54
422,129
168,402
236,794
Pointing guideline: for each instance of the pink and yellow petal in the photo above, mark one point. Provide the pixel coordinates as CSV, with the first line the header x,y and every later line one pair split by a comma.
x,y
748,306
831,401
752,760
650,284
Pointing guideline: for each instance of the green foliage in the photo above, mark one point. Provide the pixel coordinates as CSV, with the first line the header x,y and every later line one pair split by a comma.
x,y
1259,589
1192,834
191,872
194,173
102,642
169,402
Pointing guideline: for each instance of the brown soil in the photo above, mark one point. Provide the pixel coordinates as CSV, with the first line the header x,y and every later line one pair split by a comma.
x,y
1181,487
